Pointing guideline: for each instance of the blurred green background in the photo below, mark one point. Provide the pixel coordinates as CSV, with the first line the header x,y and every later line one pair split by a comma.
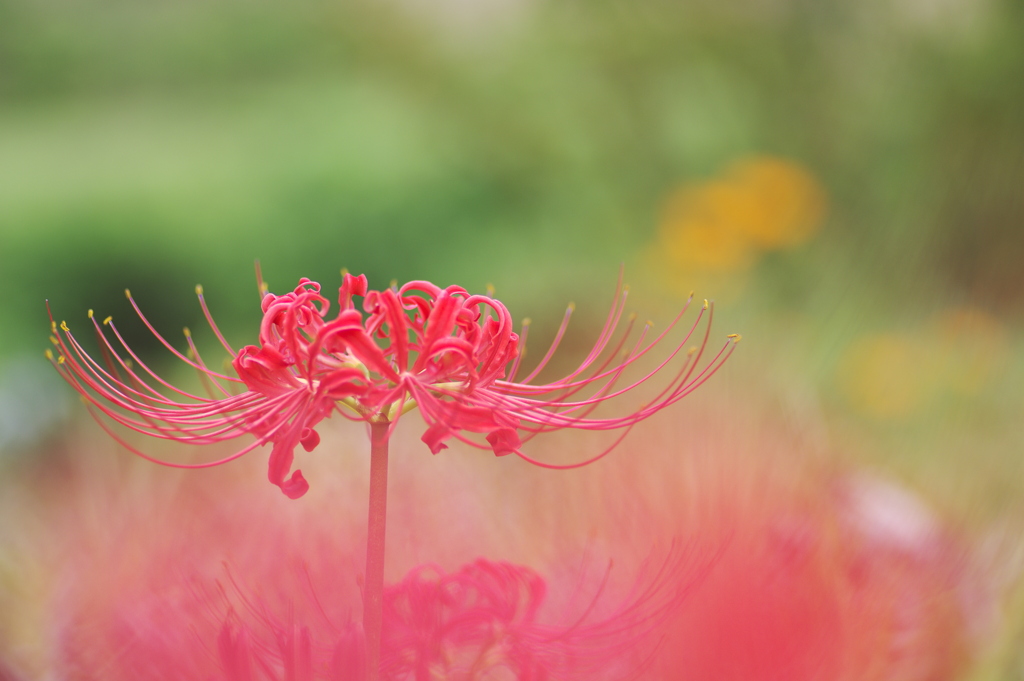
x,y
845,178
537,146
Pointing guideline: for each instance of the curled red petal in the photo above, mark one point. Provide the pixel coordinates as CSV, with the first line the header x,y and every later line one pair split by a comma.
x,y
435,436
351,286
439,325
281,457
504,441
310,439
263,370
349,327
295,486
341,383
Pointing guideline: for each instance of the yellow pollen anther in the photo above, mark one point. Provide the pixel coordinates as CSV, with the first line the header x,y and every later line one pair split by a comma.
x,y
190,354
199,289
632,316
650,324
394,284
53,327
188,334
736,338
571,307
127,294
54,340
49,354
527,321
691,294
264,287
705,303
90,313
64,327
691,351
60,360
490,290
107,320
344,271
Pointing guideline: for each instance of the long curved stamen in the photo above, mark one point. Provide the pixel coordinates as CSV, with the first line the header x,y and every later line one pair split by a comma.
x,y
204,373
524,388
554,344
163,341
523,332
213,324
172,464
560,403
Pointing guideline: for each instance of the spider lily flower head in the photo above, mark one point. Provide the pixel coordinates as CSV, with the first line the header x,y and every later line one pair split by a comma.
x,y
453,355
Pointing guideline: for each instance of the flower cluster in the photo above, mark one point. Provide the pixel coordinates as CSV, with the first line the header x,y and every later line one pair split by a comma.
x,y
480,621
483,618
453,355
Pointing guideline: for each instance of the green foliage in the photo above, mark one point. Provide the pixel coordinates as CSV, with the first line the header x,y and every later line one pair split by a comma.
x,y
161,144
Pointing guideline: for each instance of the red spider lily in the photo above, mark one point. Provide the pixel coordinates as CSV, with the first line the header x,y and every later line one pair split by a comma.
x,y
453,355
478,622
483,618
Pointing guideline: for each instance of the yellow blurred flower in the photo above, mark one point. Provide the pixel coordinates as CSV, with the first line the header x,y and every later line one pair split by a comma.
x,y
889,375
895,375
780,204
758,204
697,229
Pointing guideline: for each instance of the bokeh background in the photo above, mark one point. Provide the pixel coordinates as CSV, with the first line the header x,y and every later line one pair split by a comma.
x,y
844,179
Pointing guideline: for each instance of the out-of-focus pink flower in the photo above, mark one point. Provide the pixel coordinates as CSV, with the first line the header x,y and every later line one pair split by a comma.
x,y
865,585
478,622
482,620
795,573
231,589
472,620
453,355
